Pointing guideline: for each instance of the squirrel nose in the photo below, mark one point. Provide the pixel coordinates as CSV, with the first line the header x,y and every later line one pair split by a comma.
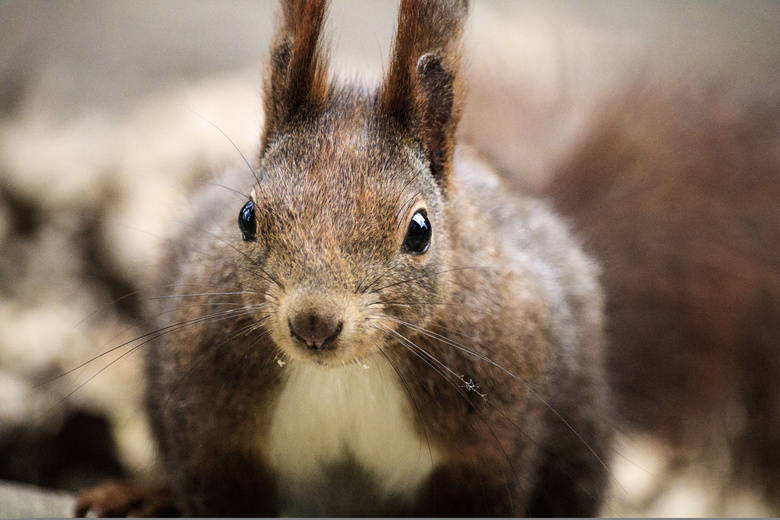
x,y
314,331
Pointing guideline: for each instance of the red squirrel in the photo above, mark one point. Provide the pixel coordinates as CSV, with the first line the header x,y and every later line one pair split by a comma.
x,y
370,322
477,383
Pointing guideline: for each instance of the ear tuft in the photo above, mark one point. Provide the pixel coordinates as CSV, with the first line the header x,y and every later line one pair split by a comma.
x,y
296,73
421,91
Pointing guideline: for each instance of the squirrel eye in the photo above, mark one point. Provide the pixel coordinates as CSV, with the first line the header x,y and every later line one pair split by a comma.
x,y
418,235
246,222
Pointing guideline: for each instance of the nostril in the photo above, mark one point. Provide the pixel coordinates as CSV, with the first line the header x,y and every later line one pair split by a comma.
x,y
314,331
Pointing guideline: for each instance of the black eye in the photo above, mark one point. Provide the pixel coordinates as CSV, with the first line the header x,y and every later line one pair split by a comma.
x,y
246,222
418,235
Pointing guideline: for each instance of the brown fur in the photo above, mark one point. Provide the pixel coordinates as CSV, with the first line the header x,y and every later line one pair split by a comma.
x,y
490,332
674,184
685,214
422,88
296,73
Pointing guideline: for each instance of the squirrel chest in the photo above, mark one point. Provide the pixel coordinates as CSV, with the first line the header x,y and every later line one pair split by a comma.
x,y
346,432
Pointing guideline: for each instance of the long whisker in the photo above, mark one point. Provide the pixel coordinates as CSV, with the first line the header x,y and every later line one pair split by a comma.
x,y
164,239
192,295
252,170
247,329
412,399
414,348
151,335
455,344
149,289
425,355
428,275
241,196
154,335
266,275
470,387
536,394
363,290
409,304
137,324
417,351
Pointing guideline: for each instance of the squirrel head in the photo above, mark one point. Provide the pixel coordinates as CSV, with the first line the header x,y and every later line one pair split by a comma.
x,y
346,234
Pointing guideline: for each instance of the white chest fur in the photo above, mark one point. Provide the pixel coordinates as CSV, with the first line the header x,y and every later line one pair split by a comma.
x,y
344,437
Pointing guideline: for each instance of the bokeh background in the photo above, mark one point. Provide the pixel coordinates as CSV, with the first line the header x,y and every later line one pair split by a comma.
x,y
111,112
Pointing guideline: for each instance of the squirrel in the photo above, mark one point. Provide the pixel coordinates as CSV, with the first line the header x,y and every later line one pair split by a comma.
x,y
370,321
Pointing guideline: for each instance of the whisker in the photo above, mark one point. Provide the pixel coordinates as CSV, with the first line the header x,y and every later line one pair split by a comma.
x,y
156,334
417,350
452,343
428,275
266,276
409,304
192,295
137,324
251,170
151,335
144,290
113,304
363,290
204,356
241,196
167,240
412,399
492,405
530,388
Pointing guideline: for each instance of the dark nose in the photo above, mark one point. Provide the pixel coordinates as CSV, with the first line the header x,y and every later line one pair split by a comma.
x,y
314,330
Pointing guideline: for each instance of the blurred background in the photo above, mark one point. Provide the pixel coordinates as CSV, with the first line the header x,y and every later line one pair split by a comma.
x,y
107,119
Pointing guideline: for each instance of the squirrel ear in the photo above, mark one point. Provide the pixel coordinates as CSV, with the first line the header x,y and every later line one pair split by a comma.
x,y
296,73
422,89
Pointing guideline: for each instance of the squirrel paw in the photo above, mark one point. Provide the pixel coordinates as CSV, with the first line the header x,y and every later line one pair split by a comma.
x,y
118,499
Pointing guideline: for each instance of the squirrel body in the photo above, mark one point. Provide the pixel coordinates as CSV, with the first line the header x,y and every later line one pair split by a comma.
x,y
380,434
367,238
391,328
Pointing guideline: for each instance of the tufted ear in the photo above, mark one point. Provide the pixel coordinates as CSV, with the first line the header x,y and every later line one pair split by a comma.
x,y
296,73
422,90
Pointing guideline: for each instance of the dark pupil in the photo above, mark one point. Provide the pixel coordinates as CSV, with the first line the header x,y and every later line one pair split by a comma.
x,y
418,236
246,221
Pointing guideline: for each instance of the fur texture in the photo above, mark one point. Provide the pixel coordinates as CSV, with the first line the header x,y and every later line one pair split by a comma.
x,y
489,338
672,178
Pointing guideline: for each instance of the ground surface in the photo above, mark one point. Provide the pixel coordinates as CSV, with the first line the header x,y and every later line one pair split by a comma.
x,y
19,501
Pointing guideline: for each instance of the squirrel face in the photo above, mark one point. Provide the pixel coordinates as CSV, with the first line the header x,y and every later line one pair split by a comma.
x,y
349,205
346,225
